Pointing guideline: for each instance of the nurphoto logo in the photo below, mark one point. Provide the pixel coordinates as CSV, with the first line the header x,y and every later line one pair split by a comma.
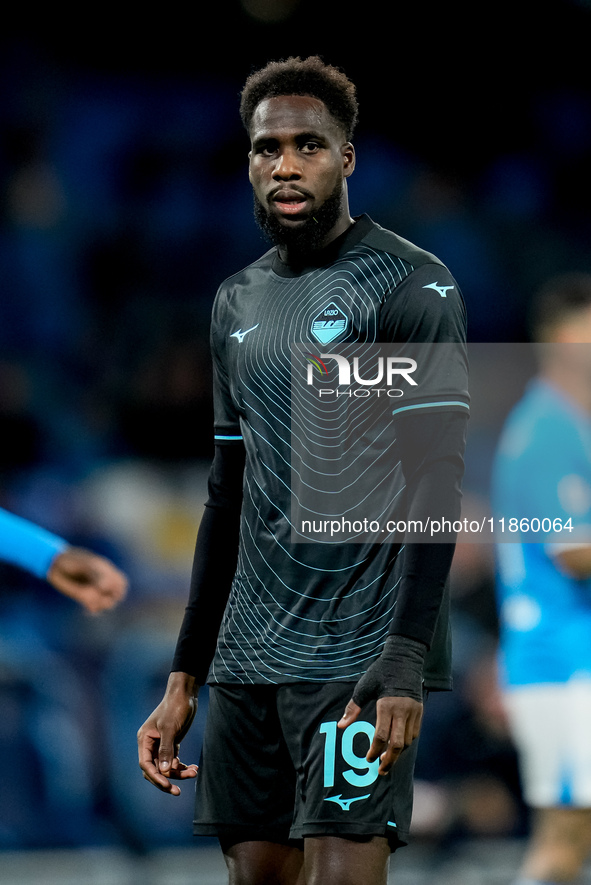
x,y
387,371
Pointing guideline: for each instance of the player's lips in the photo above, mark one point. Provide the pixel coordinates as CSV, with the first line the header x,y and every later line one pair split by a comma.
x,y
290,201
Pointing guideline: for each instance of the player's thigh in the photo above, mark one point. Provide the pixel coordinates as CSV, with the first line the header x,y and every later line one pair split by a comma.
x,y
260,862
559,846
346,861
564,826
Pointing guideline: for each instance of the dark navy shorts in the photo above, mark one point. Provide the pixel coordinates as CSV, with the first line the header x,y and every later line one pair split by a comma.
x,y
275,767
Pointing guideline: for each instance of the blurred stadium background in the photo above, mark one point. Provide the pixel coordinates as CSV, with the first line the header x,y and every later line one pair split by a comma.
x,y
125,203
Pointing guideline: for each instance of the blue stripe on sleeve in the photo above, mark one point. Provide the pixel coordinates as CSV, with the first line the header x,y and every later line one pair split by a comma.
x,y
431,406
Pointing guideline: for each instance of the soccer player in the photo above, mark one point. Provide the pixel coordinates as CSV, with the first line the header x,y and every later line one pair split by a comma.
x,y
318,654
86,577
543,472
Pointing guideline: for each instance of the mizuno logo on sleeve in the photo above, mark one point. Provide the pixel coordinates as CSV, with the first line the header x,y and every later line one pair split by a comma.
x,y
441,290
240,334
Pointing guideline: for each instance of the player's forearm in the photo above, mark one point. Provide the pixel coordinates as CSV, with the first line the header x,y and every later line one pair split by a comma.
x,y
421,590
434,466
216,553
214,565
182,683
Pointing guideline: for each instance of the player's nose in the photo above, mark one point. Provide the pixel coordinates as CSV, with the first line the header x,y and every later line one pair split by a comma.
x,y
288,166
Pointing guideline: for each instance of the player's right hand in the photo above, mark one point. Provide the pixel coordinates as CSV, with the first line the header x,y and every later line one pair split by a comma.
x,y
160,736
92,580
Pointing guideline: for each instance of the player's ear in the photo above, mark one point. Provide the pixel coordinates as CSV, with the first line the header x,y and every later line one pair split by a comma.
x,y
348,153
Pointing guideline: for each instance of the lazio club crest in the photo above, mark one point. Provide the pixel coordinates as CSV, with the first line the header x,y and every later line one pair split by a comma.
x,y
329,324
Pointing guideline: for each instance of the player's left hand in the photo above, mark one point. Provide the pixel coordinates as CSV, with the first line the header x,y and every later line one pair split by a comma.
x,y
398,723
395,682
88,578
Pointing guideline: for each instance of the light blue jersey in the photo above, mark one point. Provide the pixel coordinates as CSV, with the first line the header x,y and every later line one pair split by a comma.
x,y
543,472
27,545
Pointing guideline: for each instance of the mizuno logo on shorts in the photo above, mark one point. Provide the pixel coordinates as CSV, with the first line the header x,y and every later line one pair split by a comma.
x,y
346,803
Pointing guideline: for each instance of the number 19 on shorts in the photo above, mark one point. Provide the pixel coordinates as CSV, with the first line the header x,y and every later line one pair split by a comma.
x,y
361,773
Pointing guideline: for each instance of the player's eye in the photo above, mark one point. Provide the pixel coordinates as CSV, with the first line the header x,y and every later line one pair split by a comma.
x,y
266,148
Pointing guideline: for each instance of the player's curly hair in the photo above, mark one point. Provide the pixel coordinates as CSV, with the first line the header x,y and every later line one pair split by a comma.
x,y
297,76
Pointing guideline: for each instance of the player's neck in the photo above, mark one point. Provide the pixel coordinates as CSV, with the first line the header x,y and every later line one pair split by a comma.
x,y
296,257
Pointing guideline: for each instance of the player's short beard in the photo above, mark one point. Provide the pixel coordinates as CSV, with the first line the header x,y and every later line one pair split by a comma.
x,y
307,237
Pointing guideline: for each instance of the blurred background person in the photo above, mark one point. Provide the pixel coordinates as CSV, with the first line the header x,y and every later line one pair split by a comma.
x,y
92,580
543,472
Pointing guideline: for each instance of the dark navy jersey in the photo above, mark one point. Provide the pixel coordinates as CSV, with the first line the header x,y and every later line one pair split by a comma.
x,y
319,611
